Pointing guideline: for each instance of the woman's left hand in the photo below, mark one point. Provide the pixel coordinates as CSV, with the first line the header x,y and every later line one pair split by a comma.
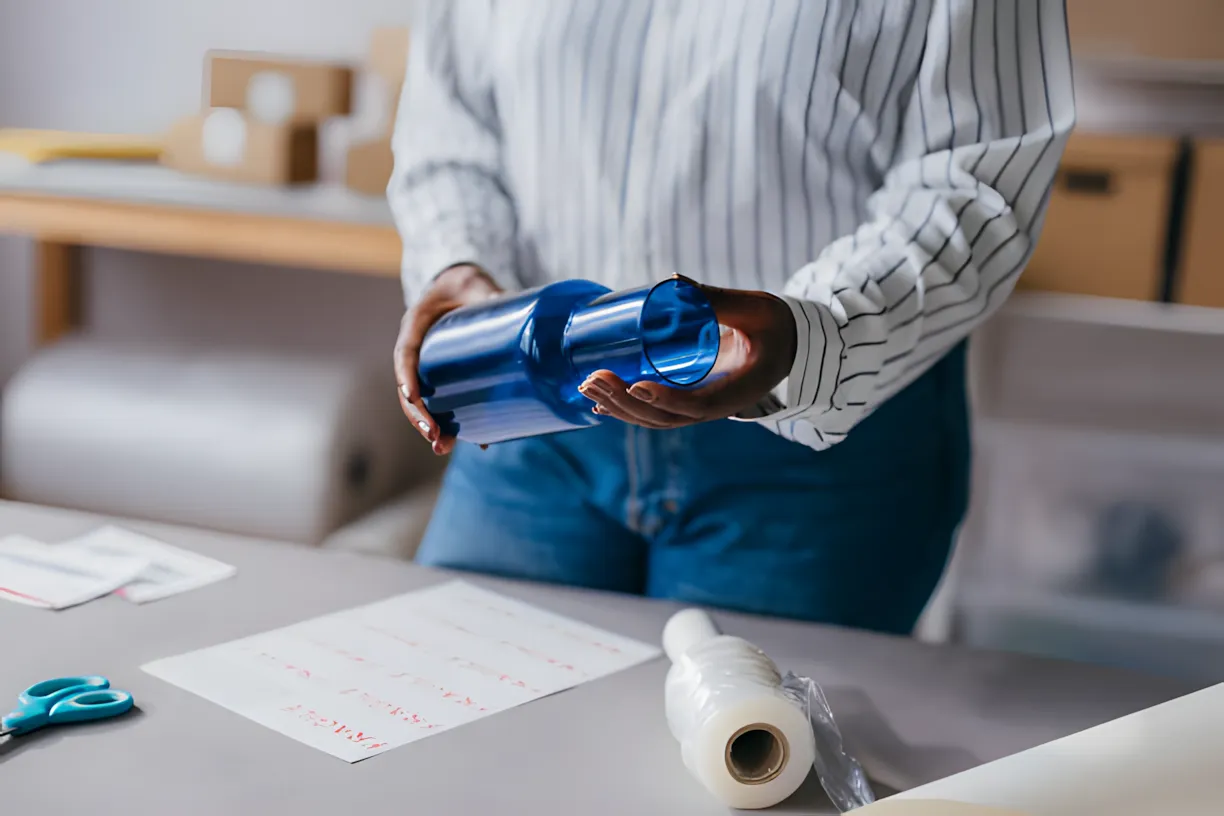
x,y
756,351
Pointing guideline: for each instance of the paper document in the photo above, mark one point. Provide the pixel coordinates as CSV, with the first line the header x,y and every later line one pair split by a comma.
x,y
40,575
365,680
170,570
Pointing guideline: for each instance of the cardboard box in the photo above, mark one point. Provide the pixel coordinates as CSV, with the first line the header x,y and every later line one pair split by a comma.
x,y
1200,281
389,62
230,145
1106,229
389,55
369,167
1172,29
278,90
370,163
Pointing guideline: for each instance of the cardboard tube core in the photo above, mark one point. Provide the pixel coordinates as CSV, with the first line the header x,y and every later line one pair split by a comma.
x,y
756,754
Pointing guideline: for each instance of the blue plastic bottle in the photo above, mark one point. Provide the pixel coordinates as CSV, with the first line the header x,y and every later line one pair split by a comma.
x,y
510,367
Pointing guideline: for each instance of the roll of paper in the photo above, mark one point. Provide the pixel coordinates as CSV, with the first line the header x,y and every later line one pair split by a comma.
x,y
741,735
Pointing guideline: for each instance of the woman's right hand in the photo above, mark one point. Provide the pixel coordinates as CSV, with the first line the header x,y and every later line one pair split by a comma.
x,y
457,286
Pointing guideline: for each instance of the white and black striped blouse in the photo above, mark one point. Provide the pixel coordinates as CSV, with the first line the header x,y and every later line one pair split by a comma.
x,y
883,164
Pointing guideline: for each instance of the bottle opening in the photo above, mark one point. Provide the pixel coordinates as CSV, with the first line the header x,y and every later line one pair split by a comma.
x,y
679,332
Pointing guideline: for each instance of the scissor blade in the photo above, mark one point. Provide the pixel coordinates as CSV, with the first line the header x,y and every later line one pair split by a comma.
x,y
4,732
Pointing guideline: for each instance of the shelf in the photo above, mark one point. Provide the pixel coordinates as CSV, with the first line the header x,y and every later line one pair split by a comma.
x,y
148,184
1140,618
1090,310
149,208
1184,448
1162,640
1152,69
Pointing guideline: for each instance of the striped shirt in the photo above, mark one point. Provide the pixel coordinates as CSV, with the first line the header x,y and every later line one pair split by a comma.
x,y
883,165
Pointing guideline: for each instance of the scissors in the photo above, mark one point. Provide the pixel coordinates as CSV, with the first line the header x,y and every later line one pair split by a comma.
x,y
64,700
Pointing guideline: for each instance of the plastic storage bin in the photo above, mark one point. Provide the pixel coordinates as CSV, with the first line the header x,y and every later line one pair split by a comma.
x,y
1101,514
1170,641
1099,547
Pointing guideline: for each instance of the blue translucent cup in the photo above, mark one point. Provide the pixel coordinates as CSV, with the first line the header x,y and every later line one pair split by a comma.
x,y
510,367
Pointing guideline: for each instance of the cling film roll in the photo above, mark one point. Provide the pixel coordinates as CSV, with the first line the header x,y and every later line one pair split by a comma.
x,y
749,734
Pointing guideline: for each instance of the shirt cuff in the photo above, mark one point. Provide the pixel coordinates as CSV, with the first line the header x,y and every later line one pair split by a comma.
x,y
786,394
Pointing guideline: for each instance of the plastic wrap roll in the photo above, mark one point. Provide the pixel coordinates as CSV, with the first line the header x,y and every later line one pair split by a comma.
x,y
741,735
747,732
272,446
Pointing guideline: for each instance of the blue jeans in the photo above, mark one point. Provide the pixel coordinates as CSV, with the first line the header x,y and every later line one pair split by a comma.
x,y
726,514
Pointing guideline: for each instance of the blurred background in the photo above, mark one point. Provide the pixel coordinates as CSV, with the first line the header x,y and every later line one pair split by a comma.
x,y
198,301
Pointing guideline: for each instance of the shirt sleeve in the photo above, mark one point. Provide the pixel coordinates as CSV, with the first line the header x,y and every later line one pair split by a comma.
x,y
951,228
447,190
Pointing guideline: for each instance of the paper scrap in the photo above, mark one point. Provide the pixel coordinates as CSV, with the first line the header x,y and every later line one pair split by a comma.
x,y
170,570
36,574
362,681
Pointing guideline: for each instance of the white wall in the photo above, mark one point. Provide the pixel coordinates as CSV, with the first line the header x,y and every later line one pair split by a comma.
x,y
135,66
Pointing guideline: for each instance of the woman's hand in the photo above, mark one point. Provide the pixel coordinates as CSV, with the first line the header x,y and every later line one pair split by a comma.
x,y
756,351
457,286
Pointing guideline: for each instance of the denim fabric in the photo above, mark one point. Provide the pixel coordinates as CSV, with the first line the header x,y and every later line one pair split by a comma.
x,y
726,514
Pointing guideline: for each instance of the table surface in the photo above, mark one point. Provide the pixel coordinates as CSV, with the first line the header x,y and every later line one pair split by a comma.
x,y
149,183
913,712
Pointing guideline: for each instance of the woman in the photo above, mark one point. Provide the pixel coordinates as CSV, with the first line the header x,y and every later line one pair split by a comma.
x,y
858,183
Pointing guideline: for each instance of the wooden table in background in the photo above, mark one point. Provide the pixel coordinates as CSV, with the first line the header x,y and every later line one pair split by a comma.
x,y
147,208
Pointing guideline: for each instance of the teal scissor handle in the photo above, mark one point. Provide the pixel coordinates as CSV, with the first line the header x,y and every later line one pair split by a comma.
x,y
65,700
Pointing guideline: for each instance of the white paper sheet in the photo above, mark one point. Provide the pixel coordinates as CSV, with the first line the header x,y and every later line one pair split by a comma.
x,y
170,570
36,574
365,680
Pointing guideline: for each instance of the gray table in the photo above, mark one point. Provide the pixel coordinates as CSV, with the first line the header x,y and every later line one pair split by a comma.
x,y
914,712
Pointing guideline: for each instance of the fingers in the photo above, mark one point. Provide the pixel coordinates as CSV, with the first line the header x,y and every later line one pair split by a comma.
x,y
453,288
728,387
612,398
444,445
406,361
687,404
415,410
737,382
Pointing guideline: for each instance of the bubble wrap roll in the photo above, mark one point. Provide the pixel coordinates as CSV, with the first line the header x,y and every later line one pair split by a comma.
x,y
743,738
266,445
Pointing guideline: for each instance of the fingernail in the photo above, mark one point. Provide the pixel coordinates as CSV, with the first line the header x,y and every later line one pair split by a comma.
x,y
599,409
417,416
593,387
642,392
403,389
423,425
